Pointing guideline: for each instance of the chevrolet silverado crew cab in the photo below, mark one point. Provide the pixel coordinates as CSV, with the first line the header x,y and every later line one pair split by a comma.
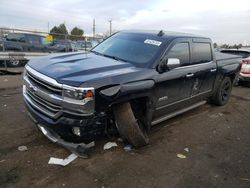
x,y
129,82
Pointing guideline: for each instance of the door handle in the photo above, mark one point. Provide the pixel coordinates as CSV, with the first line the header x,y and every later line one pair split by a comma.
x,y
189,75
213,70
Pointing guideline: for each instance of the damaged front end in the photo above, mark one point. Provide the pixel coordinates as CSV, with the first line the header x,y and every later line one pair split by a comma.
x,y
64,114
76,148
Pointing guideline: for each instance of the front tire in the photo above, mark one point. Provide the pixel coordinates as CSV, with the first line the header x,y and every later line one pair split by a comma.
x,y
222,94
128,126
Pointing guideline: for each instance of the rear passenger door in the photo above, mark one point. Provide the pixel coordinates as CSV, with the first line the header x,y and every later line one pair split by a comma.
x,y
204,63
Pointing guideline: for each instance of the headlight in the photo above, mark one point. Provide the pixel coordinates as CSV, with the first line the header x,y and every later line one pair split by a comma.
x,y
81,95
24,71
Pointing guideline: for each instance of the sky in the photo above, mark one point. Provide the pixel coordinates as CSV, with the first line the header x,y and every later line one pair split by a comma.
x,y
225,21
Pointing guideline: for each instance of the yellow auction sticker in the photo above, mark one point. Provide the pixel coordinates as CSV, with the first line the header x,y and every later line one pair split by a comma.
x,y
49,37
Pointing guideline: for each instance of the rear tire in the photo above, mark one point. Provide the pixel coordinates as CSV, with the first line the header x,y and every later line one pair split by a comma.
x,y
222,94
128,126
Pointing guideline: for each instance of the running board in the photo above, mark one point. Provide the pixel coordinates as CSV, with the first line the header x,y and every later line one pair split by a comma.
x,y
177,113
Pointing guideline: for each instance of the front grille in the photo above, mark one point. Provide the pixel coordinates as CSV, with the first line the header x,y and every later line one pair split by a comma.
x,y
43,84
50,106
46,95
42,95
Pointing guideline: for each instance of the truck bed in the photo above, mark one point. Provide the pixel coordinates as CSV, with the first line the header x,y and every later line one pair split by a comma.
x,y
223,56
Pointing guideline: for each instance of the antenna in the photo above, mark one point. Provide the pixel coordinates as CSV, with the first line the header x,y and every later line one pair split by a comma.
x,y
161,33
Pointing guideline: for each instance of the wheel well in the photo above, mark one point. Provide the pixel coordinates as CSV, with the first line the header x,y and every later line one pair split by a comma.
x,y
232,77
141,110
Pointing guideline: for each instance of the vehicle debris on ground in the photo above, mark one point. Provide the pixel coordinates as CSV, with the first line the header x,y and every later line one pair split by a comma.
x,y
22,148
109,145
63,162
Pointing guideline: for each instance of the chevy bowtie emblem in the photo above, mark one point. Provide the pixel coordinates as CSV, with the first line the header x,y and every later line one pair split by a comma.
x,y
33,89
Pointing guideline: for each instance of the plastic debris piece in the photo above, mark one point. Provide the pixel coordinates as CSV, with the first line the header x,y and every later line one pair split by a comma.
x,y
6,95
216,176
216,115
119,139
186,149
109,145
245,179
127,148
22,148
62,162
181,156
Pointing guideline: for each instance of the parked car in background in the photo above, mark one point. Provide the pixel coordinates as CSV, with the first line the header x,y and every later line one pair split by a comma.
x,y
66,45
129,82
245,68
86,45
1,43
83,45
26,42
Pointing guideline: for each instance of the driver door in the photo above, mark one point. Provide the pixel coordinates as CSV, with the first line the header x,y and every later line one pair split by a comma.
x,y
174,87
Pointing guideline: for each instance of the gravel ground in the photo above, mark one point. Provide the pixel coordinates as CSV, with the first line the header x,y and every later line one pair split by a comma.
x,y
217,139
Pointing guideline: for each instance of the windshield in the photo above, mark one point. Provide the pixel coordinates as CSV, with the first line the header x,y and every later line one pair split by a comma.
x,y
134,48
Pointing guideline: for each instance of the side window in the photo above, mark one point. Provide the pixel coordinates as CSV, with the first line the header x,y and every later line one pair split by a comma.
x,y
202,53
33,39
15,37
180,51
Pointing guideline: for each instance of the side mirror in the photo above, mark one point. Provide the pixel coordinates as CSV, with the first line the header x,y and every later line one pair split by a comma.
x,y
173,63
168,64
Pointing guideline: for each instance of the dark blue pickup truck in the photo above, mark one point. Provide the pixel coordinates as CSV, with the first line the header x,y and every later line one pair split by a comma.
x,y
129,82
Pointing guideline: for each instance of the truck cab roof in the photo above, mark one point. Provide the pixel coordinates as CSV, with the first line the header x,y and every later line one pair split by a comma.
x,y
164,34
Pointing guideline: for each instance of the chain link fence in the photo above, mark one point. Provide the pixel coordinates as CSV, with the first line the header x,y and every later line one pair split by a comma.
x,y
18,46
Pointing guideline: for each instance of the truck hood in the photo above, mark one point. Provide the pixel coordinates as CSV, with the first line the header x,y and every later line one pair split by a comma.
x,y
75,69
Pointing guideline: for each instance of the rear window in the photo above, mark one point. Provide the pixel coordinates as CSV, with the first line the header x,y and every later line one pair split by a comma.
x,y
202,53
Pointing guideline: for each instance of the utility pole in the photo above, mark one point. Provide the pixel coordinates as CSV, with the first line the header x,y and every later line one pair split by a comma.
x,y
94,28
110,26
48,27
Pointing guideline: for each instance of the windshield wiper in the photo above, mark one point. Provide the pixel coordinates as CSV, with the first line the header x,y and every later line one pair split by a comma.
x,y
109,56
114,57
97,53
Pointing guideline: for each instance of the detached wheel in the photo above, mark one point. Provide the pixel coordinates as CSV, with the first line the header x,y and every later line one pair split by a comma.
x,y
222,94
128,126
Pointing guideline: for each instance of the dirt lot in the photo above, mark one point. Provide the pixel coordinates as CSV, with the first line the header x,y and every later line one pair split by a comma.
x,y
218,139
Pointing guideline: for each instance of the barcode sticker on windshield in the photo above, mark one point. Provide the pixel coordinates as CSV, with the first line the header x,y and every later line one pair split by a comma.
x,y
153,42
